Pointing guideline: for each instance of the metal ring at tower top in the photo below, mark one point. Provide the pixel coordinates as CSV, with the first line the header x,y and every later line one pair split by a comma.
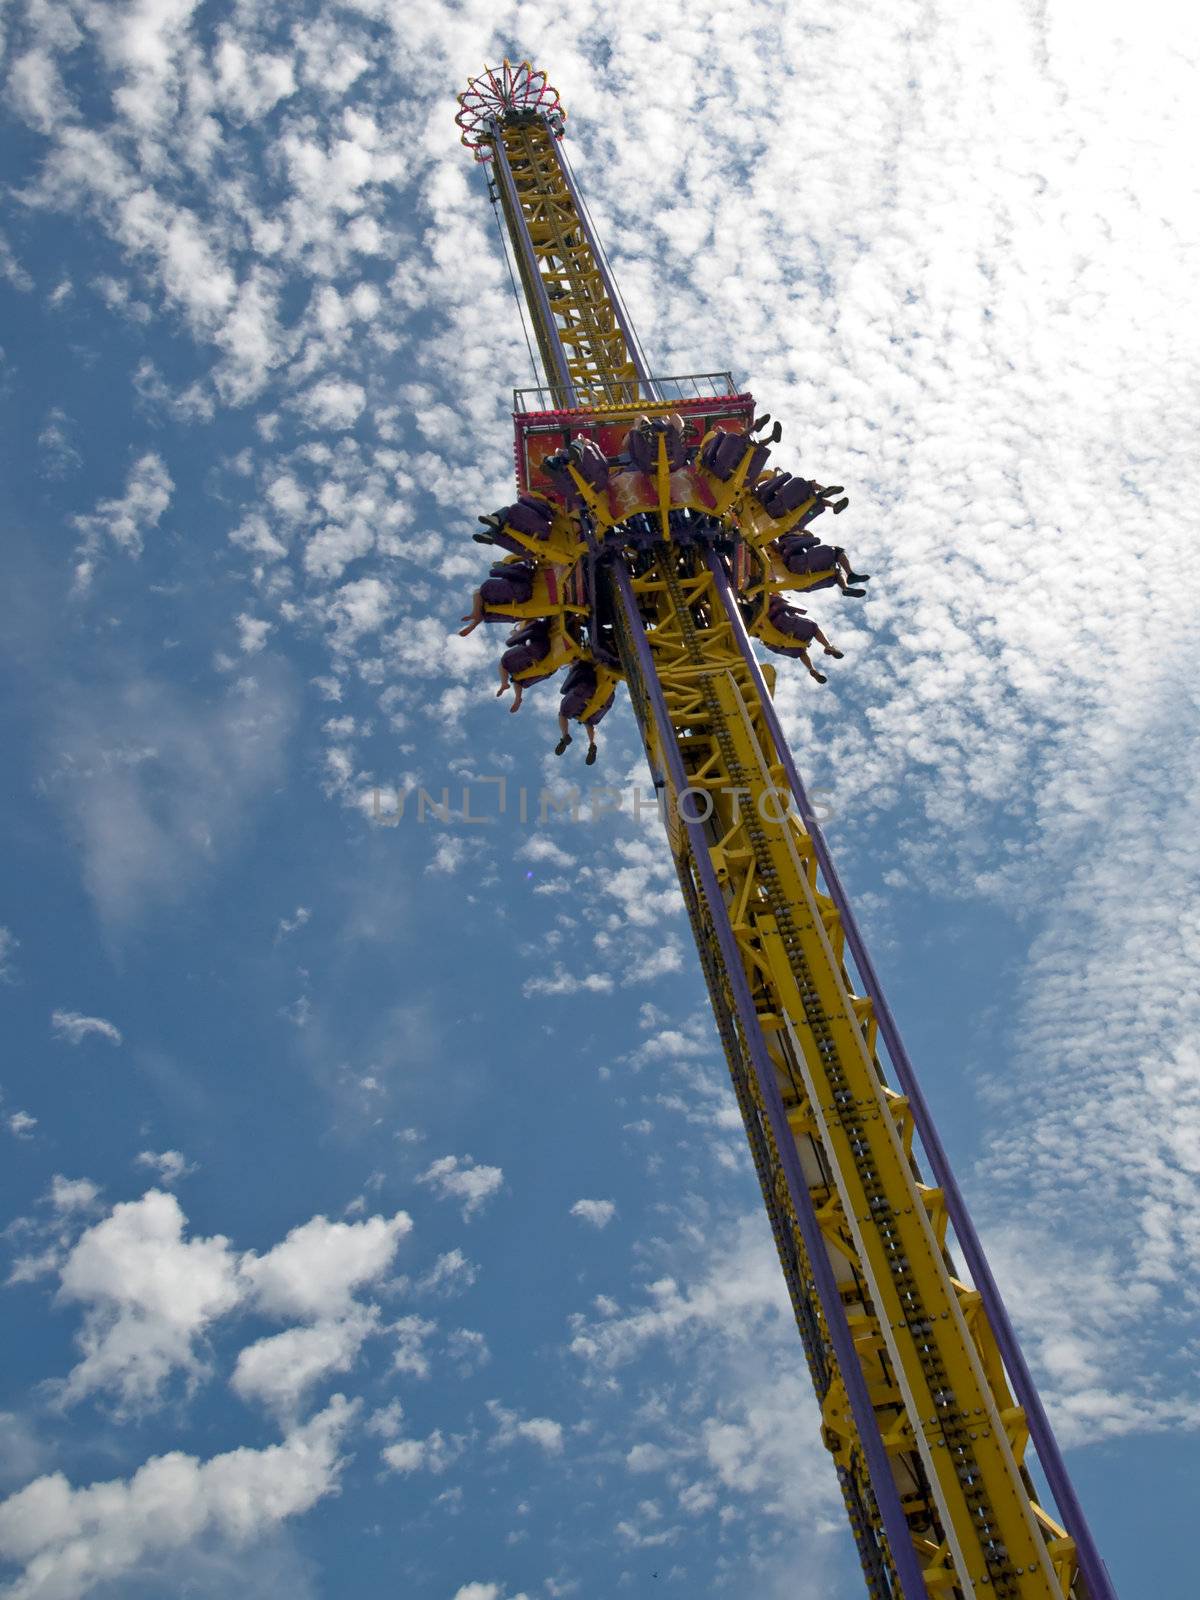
x,y
501,93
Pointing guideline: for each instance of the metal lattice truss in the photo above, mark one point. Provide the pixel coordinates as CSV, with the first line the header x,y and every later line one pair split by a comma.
x,y
577,317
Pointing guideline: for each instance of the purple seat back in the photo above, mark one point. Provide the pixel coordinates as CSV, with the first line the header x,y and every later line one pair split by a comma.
x,y
794,544
582,675
538,629
520,657
785,496
591,463
642,449
530,516
770,486
789,621
724,454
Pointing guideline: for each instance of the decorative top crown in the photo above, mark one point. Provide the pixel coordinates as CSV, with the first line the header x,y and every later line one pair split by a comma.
x,y
502,94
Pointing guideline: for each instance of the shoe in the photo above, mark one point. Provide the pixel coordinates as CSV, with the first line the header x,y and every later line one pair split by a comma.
x,y
776,433
492,521
562,744
857,593
840,506
837,655
820,677
483,538
590,759
858,577
760,422
832,488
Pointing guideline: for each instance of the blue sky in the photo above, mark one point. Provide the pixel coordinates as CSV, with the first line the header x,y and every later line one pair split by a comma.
x,y
375,1211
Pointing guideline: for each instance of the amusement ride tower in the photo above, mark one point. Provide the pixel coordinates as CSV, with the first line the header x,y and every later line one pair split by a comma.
x,y
652,559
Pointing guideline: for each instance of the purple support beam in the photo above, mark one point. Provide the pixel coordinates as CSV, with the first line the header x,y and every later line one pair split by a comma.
x,y
1091,1565
904,1556
531,274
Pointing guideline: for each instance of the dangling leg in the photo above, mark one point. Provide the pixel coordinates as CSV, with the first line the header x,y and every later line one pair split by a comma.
x,y
505,680
475,616
564,735
827,647
812,671
843,561
590,758
519,690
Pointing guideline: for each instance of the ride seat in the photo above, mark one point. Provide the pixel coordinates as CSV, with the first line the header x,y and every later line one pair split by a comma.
x,y
774,638
548,598
563,652
781,493
723,453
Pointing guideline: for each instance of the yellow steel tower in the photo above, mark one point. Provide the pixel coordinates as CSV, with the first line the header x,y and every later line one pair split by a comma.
x,y
660,558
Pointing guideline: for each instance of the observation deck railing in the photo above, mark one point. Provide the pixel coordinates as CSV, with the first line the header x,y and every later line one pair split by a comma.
x,y
624,392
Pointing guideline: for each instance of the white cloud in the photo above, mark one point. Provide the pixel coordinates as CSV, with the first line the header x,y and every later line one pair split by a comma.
x,y
11,270
647,1458
467,1349
73,1027
72,1194
21,1125
433,1454
450,1274
168,1166
252,633
560,981
543,848
332,403
126,521
388,1421
412,1335
289,925
736,1282
155,781
597,1213
282,1369
512,1428
59,455
450,853
9,945
358,608
68,1540
251,84
37,92
486,1591
149,1294
461,1178
314,1272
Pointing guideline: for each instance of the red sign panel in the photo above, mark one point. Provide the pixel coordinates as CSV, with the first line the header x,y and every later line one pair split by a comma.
x,y
542,433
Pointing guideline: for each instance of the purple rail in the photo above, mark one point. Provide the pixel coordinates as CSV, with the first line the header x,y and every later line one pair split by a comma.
x,y
883,1484
1091,1564
533,277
